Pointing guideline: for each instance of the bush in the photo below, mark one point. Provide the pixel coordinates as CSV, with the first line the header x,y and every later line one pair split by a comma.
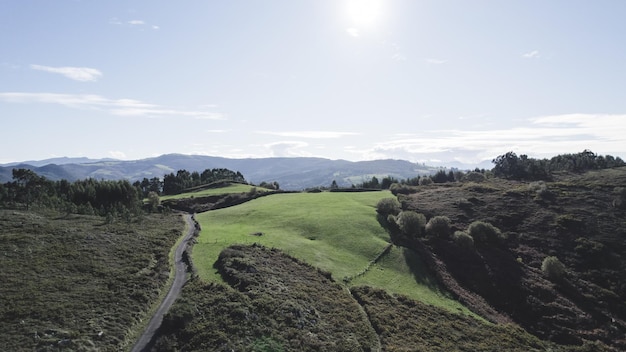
x,y
438,226
463,240
484,232
620,198
397,188
553,268
388,206
411,223
474,177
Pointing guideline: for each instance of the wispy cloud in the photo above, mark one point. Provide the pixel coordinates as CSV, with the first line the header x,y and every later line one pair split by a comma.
x,y
82,74
531,55
309,134
132,23
539,137
120,107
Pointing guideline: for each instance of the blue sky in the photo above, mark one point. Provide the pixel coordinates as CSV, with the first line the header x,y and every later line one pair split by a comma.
x,y
434,81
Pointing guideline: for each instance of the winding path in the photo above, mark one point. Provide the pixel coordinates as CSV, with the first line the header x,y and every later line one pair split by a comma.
x,y
180,277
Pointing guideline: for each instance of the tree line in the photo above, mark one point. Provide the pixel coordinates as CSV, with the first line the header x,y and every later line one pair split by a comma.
x,y
183,180
509,165
522,167
90,196
111,198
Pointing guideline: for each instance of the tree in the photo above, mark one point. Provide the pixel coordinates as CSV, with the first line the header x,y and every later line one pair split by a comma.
x,y
334,185
386,182
508,166
28,186
441,176
154,200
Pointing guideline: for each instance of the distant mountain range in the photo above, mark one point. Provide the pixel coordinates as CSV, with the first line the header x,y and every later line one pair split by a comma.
x,y
290,173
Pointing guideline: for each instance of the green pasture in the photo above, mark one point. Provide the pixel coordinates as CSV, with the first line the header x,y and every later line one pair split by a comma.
x,y
231,188
336,232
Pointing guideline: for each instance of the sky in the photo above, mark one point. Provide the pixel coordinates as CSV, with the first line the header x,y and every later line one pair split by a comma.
x,y
429,81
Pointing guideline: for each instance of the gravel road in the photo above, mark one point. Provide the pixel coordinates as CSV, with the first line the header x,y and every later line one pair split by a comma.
x,y
179,280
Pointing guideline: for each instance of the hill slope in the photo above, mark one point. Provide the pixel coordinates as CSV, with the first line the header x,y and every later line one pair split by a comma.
x,y
75,283
574,218
272,302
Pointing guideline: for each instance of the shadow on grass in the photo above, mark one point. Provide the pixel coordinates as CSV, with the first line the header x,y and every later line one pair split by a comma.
x,y
420,271
416,264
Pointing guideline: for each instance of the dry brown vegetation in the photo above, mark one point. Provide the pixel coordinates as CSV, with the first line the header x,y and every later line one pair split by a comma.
x,y
572,218
75,283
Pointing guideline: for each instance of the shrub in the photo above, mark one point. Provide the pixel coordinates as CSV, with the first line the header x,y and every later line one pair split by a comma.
x,y
620,199
411,223
397,188
438,226
425,181
553,268
388,206
463,240
484,232
474,177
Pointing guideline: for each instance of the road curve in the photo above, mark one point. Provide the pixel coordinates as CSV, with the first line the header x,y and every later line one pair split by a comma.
x,y
180,277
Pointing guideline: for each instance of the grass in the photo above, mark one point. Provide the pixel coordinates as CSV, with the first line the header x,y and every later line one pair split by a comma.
x,y
402,272
229,189
77,280
336,232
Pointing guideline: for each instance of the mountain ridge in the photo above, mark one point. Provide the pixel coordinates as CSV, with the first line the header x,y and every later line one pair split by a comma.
x,y
291,173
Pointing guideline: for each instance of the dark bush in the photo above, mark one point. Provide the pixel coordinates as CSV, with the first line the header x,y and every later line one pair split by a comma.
x,y
411,223
397,188
484,232
474,177
553,268
438,226
388,206
463,240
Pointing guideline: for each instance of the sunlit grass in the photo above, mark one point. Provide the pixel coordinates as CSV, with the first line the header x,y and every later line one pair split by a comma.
x,y
336,232
231,188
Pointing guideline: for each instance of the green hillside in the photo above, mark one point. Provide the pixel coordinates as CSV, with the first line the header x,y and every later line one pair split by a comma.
x,y
336,232
228,189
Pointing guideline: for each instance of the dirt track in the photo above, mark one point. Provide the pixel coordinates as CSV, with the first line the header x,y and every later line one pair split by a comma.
x,y
180,277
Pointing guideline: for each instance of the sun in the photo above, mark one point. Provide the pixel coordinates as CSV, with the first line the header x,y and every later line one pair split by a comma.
x,y
364,12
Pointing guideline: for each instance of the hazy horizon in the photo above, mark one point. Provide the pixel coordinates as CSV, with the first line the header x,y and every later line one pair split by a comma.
x,y
434,82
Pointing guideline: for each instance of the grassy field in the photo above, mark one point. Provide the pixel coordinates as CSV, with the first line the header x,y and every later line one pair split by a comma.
x,y
231,188
336,232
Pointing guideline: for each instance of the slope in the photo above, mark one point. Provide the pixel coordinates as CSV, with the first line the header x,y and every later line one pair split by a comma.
x,y
334,231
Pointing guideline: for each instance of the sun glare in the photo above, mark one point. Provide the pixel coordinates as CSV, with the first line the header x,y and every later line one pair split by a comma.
x,y
364,12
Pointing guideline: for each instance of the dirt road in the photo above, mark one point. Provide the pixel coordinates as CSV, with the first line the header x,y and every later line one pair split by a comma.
x,y
179,279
